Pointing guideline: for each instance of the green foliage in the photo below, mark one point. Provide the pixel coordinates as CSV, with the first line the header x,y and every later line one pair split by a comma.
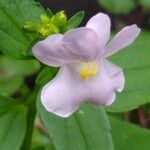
x,y
13,40
127,136
12,124
87,129
12,22
20,67
10,85
40,140
117,6
49,13
145,3
54,23
48,24
75,20
136,64
59,19
12,73
46,75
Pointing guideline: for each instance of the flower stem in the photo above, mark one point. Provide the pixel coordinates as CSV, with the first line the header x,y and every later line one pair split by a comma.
x,y
31,102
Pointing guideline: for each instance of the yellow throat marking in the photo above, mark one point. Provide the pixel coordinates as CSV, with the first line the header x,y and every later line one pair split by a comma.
x,y
88,69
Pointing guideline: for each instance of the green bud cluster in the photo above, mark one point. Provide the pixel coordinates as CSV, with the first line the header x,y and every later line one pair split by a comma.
x,y
48,25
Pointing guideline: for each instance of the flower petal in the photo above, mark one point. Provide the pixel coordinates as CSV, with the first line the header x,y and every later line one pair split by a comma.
x,y
100,23
63,95
110,80
82,42
125,37
77,44
51,51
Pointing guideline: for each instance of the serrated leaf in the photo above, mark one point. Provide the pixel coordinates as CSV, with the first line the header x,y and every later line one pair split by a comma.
x,y
117,6
13,40
127,136
136,64
75,20
12,124
87,129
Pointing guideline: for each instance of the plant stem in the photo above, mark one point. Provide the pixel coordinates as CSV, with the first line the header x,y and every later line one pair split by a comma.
x,y
31,102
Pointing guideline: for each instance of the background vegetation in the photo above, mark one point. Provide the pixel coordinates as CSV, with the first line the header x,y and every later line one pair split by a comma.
x,y
25,124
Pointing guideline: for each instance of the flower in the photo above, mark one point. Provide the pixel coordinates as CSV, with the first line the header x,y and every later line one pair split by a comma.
x,y
85,75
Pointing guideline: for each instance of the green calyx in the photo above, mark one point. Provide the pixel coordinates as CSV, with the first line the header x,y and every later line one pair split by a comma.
x,y
48,25
59,19
46,29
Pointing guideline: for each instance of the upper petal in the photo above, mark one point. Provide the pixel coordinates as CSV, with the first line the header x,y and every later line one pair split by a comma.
x,y
51,51
83,43
104,87
101,24
125,37
78,44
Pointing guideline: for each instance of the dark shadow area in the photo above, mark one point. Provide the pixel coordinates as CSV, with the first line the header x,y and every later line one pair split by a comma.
x,y
91,7
71,7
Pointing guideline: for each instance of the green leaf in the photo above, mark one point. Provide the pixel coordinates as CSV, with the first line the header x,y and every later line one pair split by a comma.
x,y
40,141
136,64
127,136
6,104
87,129
75,20
43,147
10,85
12,73
39,138
117,6
49,13
12,124
13,40
46,75
20,67
59,19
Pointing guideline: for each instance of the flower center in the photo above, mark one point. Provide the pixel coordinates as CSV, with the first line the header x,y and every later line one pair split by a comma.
x,y
88,69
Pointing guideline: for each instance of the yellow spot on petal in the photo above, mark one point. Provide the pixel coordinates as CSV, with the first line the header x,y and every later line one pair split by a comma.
x,y
88,69
92,73
84,74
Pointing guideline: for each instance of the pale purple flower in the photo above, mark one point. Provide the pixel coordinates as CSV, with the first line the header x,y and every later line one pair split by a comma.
x,y
85,75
